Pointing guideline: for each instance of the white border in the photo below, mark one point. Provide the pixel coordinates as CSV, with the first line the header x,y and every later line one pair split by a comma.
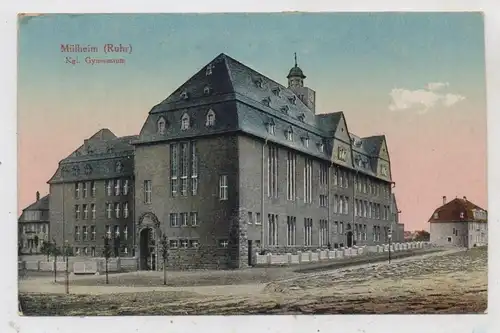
x,y
8,175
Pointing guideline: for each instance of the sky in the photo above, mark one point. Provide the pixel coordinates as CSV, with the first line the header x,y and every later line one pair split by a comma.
x,y
418,78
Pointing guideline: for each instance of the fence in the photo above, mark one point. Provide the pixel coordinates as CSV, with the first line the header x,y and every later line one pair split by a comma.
x,y
323,255
81,265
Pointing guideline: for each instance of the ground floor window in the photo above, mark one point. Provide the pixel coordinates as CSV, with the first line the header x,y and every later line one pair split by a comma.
x,y
449,239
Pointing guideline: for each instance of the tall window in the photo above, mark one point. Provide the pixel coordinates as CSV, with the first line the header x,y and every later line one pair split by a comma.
x,y
84,190
289,134
174,172
77,190
308,231
194,169
117,231
77,212
184,168
85,233
308,181
258,220
336,203
184,219
291,187
341,205
125,187
108,232
92,189
346,205
117,210
335,176
291,230
272,172
323,174
77,233
92,232
161,125
109,209
147,191
272,229
323,200
174,220
323,232
108,188
85,212
210,118
194,219
117,186
346,179
355,207
125,210
341,178
125,233
223,195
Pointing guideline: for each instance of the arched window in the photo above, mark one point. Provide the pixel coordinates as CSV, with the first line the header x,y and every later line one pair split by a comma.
x,y
161,125
185,122
210,118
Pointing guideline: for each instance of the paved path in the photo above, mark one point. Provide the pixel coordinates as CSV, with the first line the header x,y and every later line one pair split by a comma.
x,y
46,284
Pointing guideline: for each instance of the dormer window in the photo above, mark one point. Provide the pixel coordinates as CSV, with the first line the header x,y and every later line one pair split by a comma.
x,y
292,99
118,167
88,169
210,118
76,170
185,95
321,147
271,128
301,117
289,134
161,125
266,101
258,82
284,109
276,91
436,215
342,154
305,141
462,215
109,150
207,91
185,122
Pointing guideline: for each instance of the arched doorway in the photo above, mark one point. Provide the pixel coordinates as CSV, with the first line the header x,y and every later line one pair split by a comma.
x,y
147,249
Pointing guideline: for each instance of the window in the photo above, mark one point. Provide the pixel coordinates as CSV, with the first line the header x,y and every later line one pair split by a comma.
x,y
185,122
108,187
108,210
117,186
308,181
284,109
77,190
77,251
174,152
161,125
92,209
336,227
174,243
323,200
258,219
266,101
341,227
116,231
346,179
125,210
210,118
85,233
323,174
272,229
194,219
223,243
223,187
356,202
84,188
92,232
147,191
323,232
291,187
364,232
370,210
289,134
207,91
77,233
272,172
449,239
194,169
291,230
321,147
292,99
335,176
194,243
117,210
92,189
341,205
77,212
85,212
184,219
125,187
336,204
184,168
108,232
250,218
307,231
174,221
305,141
92,251
125,232
271,128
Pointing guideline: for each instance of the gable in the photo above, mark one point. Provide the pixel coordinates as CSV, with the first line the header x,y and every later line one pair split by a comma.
x,y
383,153
341,131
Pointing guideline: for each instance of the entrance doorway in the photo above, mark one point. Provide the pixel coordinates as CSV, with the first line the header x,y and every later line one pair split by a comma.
x,y
349,239
147,250
250,252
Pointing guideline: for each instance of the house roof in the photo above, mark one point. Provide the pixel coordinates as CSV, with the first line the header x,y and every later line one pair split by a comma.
x,y
457,210
40,205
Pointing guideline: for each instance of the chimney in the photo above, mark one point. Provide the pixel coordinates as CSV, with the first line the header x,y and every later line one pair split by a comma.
x,y
37,196
444,199
465,198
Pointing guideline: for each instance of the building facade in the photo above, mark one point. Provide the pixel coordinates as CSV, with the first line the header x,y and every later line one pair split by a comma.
x,y
459,223
232,163
33,225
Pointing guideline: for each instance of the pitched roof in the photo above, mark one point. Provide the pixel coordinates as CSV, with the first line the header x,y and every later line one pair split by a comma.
x,y
42,204
456,210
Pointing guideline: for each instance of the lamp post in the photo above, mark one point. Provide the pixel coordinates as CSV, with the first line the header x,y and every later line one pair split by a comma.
x,y
66,252
390,236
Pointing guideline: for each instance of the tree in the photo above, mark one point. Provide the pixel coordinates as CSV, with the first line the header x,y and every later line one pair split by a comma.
x,y
55,251
422,236
107,254
164,254
46,249
116,245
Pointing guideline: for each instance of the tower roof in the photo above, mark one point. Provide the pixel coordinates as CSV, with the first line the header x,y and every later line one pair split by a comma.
x,y
296,71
